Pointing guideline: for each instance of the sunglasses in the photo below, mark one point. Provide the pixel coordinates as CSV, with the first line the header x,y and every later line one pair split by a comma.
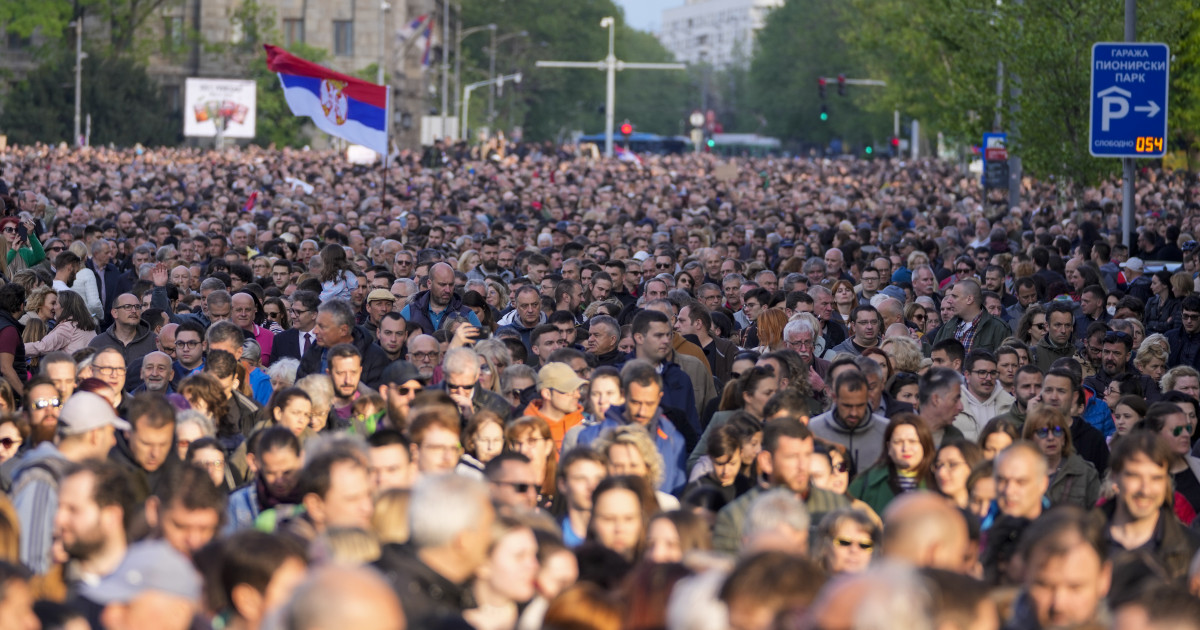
x,y
520,488
1045,432
865,546
10,442
404,391
841,467
1187,428
46,402
56,248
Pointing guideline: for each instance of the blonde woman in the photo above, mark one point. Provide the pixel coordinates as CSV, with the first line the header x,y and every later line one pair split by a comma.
x,y
1151,358
905,353
630,450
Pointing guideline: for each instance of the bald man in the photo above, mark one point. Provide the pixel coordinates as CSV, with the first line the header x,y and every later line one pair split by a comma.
x,y
926,530
428,308
344,597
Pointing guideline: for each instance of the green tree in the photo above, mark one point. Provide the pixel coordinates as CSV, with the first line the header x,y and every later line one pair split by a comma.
x,y
126,21
799,43
126,106
551,102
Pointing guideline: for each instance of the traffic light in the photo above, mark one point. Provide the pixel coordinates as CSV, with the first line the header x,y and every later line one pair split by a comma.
x,y
711,143
870,149
824,114
894,142
841,85
626,128
821,87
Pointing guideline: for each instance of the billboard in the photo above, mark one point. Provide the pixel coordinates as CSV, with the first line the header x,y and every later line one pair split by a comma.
x,y
209,101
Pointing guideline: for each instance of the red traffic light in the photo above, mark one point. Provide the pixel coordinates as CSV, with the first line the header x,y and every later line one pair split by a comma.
x,y
841,78
626,129
821,81
895,143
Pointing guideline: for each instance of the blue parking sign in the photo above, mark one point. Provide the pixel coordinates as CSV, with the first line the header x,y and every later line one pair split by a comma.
x,y
1129,99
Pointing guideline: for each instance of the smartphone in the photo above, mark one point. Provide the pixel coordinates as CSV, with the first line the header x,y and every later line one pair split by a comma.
x,y
22,232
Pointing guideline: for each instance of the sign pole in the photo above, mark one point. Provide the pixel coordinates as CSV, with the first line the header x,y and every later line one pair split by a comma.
x,y
1127,163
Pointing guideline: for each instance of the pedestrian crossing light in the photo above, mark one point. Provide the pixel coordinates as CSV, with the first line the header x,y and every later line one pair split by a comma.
x,y
824,114
711,143
870,149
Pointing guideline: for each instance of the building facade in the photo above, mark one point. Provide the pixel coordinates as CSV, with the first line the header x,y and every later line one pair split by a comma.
x,y
715,32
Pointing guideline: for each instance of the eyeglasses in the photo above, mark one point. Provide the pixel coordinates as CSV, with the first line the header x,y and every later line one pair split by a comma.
x,y
521,488
9,230
1045,432
186,344
803,343
10,442
404,391
108,370
1041,326
42,403
841,467
865,546
127,307
56,248
1187,315
1187,428
425,356
986,373
962,270
294,311
459,388
216,464
273,315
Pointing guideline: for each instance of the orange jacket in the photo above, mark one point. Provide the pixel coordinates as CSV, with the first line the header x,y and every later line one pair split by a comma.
x,y
558,428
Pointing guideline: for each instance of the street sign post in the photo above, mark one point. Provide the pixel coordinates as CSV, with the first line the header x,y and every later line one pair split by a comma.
x,y
995,160
1129,99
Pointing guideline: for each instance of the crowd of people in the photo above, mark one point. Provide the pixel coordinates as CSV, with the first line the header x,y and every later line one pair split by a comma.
x,y
535,389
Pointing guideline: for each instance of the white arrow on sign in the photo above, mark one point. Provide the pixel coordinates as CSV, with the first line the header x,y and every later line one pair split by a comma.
x,y
1153,108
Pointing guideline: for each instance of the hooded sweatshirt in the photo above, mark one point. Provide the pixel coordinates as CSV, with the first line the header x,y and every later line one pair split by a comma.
x,y
35,498
976,413
864,442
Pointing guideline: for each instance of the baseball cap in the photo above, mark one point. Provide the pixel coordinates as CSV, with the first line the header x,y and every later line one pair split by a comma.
x,y
1135,264
560,377
641,256
148,566
85,411
401,372
789,244
380,295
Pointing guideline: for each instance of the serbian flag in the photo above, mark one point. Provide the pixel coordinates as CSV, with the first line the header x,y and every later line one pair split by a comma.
x,y
250,202
339,105
625,155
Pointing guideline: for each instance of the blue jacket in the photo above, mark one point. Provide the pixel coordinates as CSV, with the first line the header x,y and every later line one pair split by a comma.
x,y
667,439
242,508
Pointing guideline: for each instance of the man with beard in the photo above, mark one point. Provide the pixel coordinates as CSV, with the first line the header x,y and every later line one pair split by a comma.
x,y
428,308
1114,366
425,353
95,501
1027,295
1057,342
86,428
851,422
1027,384
66,265
345,369
42,402
489,254
526,315
401,382
982,400
277,453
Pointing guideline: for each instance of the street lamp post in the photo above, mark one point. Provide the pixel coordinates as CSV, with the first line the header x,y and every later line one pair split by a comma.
x,y
458,56
79,57
384,7
445,64
466,98
492,70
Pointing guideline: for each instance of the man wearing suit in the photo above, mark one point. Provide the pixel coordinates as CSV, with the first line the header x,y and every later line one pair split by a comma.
x,y
108,278
294,341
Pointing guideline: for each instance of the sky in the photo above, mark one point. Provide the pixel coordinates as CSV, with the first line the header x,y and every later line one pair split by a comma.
x,y
646,14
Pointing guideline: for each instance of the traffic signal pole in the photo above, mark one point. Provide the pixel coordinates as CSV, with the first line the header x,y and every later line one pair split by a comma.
x,y
1127,163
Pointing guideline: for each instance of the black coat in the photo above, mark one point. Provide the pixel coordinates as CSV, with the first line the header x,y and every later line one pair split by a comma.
x,y
374,359
429,600
287,345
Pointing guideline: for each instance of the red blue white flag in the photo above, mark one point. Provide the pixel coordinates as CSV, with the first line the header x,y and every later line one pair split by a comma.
x,y
338,104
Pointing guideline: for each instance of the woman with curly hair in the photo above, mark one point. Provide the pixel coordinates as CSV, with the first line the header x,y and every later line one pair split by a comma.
x,y
40,304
